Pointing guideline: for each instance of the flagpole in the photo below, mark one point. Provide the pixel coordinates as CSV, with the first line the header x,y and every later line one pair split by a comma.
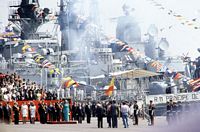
x,y
46,78
41,76
10,55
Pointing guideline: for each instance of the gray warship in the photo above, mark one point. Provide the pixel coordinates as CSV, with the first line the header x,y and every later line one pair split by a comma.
x,y
78,46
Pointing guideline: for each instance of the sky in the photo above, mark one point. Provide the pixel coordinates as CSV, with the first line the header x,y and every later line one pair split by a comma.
x,y
182,39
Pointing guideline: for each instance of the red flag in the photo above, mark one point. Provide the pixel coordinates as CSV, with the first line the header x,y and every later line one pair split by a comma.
x,y
193,82
110,89
69,82
157,65
196,87
178,76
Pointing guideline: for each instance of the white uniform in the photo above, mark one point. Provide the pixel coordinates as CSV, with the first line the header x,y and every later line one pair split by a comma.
x,y
24,110
32,111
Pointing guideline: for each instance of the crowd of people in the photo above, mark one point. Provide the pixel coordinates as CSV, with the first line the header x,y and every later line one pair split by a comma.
x,y
58,111
112,110
15,88
177,112
62,111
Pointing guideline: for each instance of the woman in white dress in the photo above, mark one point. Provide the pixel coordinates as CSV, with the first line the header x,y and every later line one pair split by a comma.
x,y
24,109
32,112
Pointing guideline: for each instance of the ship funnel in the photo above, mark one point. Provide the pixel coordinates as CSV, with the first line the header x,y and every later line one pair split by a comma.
x,y
163,46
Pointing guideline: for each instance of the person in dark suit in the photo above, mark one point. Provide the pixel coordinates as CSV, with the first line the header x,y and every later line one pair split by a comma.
x,y
1,112
16,113
168,114
79,113
58,111
136,111
151,112
109,117
88,112
41,111
7,113
114,114
46,112
74,107
93,109
100,114
31,95
50,112
83,110
54,112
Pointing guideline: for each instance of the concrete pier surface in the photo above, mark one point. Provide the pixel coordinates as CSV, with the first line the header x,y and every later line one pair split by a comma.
x,y
160,124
